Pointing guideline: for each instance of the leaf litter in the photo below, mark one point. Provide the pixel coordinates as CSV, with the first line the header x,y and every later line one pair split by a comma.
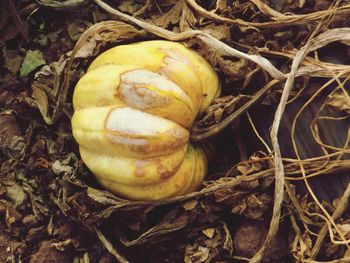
x,y
278,202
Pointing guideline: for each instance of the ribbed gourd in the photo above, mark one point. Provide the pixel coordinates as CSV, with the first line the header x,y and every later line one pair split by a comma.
x,y
132,113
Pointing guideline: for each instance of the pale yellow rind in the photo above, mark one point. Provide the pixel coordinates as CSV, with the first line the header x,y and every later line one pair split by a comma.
x,y
133,110
133,171
164,189
182,65
104,86
90,130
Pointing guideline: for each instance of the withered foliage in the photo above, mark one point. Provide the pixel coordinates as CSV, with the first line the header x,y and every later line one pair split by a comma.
x,y
278,184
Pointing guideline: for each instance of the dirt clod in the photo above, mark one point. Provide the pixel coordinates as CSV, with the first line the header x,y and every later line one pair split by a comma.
x,y
249,238
47,253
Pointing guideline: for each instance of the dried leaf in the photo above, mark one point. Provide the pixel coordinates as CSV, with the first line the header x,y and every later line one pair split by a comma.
x,y
254,164
305,244
58,168
12,216
41,101
61,246
340,101
187,19
128,6
171,222
47,79
221,32
220,108
347,254
76,29
201,254
254,206
190,205
221,5
13,60
109,246
65,4
345,229
8,29
209,232
15,193
171,17
11,141
210,247
48,251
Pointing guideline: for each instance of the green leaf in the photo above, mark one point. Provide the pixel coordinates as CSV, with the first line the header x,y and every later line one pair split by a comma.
x,y
42,40
32,60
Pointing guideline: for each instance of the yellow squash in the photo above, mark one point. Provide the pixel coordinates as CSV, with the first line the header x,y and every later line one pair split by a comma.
x,y
133,109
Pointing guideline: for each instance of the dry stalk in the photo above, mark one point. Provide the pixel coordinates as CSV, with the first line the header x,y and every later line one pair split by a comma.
x,y
333,167
279,172
300,212
110,248
342,260
317,158
61,5
279,19
326,155
328,217
18,21
314,125
198,133
257,134
342,205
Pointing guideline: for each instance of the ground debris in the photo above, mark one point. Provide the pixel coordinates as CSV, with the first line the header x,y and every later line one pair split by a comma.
x,y
54,211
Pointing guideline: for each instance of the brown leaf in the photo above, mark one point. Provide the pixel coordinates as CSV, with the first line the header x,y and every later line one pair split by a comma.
x,y
345,229
190,205
9,30
201,254
234,69
209,232
59,167
221,5
76,29
187,20
254,206
305,244
13,60
211,245
254,164
220,108
12,220
11,141
340,101
47,251
347,253
170,17
221,32
128,6
41,101
173,221
15,193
